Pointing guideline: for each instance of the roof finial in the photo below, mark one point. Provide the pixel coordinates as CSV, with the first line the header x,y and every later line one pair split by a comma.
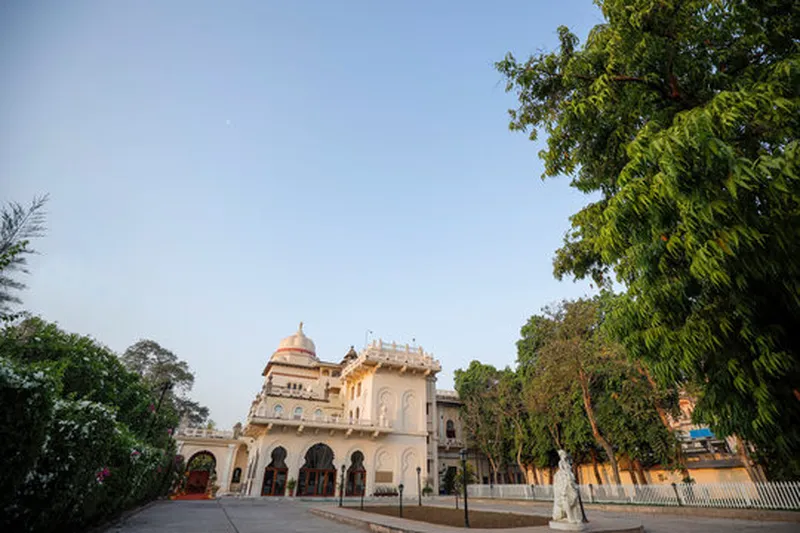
x,y
300,328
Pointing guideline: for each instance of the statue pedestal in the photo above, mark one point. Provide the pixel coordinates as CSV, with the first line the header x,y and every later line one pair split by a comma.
x,y
567,526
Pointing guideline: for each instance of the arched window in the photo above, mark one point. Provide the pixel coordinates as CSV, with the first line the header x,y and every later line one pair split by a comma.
x,y
237,475
359,390
298,413
358,413
450,429
318,414
277,411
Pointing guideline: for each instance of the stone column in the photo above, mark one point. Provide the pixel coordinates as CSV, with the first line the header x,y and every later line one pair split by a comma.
x,y
224,473
435,432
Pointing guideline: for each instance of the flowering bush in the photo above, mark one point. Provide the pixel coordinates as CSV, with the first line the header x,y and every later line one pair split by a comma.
x,y
79,441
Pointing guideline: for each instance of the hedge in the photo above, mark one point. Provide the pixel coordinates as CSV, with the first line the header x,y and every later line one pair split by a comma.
x,y
79,437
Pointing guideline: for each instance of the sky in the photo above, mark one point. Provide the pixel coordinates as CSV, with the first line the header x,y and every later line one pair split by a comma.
x,y
220,171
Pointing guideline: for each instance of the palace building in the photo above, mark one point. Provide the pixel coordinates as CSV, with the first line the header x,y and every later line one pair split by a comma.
x,y
378,415
374,413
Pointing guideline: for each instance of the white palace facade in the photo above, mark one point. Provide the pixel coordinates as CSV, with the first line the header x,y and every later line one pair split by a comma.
x,y
376,413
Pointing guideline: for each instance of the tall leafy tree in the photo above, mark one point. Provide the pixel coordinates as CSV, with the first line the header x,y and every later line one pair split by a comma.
x,y
159,367
681,118
481,413
18,225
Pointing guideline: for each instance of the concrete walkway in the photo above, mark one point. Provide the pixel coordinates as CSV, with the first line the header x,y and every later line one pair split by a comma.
x,y
289,515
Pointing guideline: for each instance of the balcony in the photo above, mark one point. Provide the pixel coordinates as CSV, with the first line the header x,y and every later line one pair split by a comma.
x,y
203,433
403,357
451,443
268,421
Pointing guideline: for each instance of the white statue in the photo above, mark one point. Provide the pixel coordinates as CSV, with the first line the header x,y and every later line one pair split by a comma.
x,y
566,507
383,414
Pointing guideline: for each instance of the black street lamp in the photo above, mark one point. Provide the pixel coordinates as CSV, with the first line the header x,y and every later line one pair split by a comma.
x,y
401,499
463,454
419,490
341,488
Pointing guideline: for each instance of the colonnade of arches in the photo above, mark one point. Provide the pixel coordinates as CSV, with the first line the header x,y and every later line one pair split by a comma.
x,y
317,476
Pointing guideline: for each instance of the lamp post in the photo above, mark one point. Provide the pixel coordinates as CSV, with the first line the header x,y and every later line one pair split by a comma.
x,y
341,488
463,454
419,489
401,499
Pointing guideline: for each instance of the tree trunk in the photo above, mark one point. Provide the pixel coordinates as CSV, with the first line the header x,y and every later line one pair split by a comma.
x,y
535,476
522,467
493,472
550,472
632,472
640,470
594,466
601,440
662,414
741,451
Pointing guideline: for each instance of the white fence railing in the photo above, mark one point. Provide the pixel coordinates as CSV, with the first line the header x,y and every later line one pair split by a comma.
x,y
775,495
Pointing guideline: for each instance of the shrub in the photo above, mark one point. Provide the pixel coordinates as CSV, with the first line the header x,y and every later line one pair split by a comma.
x,y
27,397
80,443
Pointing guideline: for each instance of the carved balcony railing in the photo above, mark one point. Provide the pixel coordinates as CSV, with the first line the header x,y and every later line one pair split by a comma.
x,y
203,433
400,355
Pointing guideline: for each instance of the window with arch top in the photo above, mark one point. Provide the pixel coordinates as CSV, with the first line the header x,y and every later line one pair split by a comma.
x,y
318,414
450,429
298,413
277,410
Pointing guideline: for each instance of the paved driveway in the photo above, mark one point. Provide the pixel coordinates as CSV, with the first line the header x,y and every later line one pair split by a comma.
x,y
229,516
279,515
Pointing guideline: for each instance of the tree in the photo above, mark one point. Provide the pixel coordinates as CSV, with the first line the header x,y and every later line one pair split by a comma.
x,y
159,366
681,118
17,226
481,413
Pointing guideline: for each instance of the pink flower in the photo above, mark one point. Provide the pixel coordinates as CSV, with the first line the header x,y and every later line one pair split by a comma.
x,y
152,408
169,431
102,475
135,453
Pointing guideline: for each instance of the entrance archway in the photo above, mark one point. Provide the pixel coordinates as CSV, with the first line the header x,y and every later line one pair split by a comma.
x,y
199,467
275,474
317,475
356,475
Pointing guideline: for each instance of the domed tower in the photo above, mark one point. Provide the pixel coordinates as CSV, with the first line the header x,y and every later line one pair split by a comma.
x,y
296,349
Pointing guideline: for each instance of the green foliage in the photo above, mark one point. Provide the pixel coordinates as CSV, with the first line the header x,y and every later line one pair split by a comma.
x,y
482,412
458,481
158,366
27,397
83,441
18,225
681,118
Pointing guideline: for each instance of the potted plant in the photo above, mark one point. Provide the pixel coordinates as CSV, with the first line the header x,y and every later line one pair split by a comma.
x,y
291,484
427,490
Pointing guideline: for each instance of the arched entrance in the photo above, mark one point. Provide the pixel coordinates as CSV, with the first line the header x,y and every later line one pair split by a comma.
x,y
275,474
356,475
317,475
199,468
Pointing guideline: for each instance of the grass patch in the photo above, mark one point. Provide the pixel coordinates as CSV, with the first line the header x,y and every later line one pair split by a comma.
x,y
447,516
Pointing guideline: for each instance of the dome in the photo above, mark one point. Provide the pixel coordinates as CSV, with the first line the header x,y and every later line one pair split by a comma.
x,y
298,343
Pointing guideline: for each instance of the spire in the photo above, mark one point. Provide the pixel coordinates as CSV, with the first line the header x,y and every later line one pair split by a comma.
x,y
300,328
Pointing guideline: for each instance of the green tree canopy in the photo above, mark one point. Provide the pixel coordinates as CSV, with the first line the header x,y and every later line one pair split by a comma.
x,y
159,366
681,118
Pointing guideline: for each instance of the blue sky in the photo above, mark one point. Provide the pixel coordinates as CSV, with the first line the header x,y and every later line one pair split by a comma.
x,y
220,171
